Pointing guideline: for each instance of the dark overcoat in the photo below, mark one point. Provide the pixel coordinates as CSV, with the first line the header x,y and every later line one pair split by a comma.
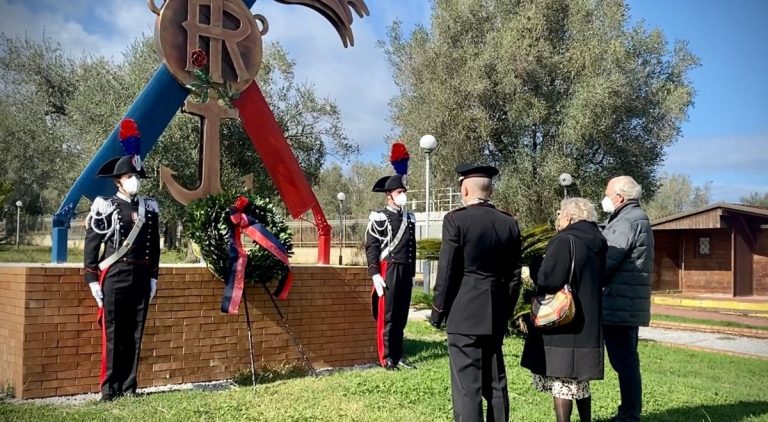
x,y
576,349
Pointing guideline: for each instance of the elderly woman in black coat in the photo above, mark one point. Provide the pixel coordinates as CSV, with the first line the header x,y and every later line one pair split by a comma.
x,y
564,359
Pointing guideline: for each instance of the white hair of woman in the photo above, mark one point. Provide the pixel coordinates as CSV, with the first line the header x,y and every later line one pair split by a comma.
x,y
577,209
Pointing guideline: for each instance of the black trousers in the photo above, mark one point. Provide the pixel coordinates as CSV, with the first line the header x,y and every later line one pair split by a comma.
x,y
621,345
395,305
126,301
477,372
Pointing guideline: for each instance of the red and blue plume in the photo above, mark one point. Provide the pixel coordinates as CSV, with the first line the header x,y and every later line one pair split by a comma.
x,y
399,158
129,136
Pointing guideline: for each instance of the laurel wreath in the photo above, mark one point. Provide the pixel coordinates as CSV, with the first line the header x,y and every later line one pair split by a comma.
x,y
208,225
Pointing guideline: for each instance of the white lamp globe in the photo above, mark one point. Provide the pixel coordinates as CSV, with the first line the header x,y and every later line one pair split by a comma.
x,y
428,142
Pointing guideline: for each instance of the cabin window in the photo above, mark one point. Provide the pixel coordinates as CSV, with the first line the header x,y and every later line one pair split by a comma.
x,y
703,246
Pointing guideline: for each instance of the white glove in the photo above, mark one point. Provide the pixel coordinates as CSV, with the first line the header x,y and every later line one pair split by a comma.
x,y
96,292
379,284
152,288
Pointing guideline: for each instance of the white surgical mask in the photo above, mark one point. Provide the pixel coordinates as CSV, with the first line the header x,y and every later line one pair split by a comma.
x,y
608,205
400,199
131,185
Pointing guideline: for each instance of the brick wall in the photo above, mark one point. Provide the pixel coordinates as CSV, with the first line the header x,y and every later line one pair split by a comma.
x,y
187,338
11,327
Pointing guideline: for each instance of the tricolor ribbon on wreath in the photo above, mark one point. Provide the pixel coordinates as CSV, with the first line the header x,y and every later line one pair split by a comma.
x,y
238,256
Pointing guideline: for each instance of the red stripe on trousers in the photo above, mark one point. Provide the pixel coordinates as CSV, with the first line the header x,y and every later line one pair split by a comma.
x,y
100,317
382,305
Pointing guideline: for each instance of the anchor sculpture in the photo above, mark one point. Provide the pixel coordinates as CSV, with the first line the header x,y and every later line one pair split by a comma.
x,y
211,112
231,36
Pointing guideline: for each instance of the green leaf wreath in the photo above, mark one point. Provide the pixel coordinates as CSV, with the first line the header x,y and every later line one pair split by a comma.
x,y
208,225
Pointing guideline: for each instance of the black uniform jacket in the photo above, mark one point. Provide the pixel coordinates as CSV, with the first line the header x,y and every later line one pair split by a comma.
x,y
404,252
145,249
478,276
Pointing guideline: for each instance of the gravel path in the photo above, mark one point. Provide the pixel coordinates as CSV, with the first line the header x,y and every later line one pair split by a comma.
x,y
760,320
710,341
81,399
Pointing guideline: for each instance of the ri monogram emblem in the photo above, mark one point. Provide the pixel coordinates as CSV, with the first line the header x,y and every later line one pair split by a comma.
x,y
228,34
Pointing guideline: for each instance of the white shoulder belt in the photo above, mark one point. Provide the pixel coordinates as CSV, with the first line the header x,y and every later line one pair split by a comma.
x,y
103,265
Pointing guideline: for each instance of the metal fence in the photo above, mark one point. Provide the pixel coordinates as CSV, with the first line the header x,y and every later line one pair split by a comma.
x,y
348,233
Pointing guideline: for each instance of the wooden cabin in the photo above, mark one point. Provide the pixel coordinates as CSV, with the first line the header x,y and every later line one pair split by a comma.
x,y
719,249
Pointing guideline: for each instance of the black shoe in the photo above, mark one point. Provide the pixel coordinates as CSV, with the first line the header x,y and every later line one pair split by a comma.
x,y
405,363
390,366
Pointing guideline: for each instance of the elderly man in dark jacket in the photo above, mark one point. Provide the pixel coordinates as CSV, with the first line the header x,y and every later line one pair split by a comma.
x,y
627,294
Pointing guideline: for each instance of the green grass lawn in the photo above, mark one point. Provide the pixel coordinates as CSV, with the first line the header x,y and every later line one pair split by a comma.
x,y
679,385
420,300
696,321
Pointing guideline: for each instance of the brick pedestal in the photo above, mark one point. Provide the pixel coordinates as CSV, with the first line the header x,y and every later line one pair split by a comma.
x,y
50,343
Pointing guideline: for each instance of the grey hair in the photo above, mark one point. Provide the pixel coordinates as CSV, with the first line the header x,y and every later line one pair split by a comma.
x,y
578,209
627,187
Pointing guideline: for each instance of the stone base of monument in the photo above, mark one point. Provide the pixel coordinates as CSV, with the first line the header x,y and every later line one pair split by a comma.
x,y
50,343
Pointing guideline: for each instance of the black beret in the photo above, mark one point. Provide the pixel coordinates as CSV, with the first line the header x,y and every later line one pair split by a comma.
x,y
389,183
467,171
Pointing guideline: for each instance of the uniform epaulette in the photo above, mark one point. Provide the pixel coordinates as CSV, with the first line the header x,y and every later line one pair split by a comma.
x,y
377,216
411,216
456,210
151,205
506,213
102,206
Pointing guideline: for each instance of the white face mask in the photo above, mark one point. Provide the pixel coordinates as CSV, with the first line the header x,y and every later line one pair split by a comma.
x,y
608,205
131,185
400,199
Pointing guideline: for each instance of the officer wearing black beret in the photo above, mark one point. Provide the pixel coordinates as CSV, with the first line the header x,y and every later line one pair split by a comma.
x,y
478,281
122,278
390,250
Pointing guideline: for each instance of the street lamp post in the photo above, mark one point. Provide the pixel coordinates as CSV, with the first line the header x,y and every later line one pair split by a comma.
x,y
428,143
18,221
565,180
341,197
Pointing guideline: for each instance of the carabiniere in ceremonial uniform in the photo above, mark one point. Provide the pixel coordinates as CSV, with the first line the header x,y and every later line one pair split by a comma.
x,y
478,281
390,249
122,278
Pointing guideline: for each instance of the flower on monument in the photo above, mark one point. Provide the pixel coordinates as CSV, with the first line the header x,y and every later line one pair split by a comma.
x,y
199,58
201,82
